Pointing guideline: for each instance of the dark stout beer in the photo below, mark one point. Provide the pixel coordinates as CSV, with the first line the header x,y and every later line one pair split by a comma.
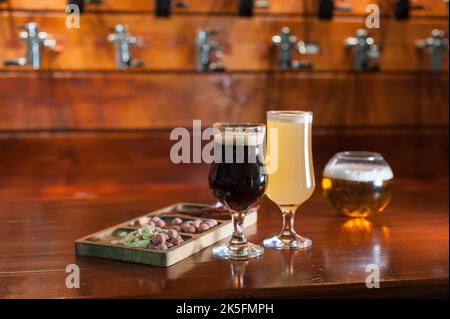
x,y
237,177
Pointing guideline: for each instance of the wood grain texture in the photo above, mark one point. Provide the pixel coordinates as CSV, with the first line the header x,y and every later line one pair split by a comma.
x,y
65,100
430,8
169,43
62,162
409,242
226,7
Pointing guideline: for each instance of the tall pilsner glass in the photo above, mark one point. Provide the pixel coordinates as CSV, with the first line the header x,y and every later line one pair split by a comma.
x,y
290,171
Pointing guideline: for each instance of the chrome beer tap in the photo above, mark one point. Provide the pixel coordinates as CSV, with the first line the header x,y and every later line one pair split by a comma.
x,y
124,41
36,41
206,48
436,45
367,52
288,43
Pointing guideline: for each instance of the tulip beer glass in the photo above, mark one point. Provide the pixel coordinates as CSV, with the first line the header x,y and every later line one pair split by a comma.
x,y
238,179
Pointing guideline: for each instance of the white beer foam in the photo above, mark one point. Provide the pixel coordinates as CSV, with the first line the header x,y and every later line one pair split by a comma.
x,y
293,117
239,138
359,172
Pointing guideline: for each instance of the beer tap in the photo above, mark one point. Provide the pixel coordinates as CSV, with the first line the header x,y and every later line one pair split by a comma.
x,y
124,41
36,41
288,43
82,3
436,45
206,47
326,9
367,52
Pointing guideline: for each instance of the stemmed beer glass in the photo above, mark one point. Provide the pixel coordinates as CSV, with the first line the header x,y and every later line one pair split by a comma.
x,y
238,179
290,171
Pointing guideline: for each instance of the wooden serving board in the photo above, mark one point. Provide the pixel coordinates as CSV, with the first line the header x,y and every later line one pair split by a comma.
x,y
100,244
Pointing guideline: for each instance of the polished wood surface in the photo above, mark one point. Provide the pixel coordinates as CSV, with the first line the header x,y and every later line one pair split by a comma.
x,y
409,243
97,100
168,44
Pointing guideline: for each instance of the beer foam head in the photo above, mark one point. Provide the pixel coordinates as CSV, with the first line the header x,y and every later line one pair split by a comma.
x,y
239,137
290,116
358,172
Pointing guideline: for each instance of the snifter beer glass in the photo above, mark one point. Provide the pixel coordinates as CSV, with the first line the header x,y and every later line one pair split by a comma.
x,y
358,184
238,179
290,170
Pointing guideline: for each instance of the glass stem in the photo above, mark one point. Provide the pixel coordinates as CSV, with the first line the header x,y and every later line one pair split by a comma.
x,y
238,237
288,221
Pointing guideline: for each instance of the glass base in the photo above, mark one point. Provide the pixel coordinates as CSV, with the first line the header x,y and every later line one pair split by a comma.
x,y
238,252
297,242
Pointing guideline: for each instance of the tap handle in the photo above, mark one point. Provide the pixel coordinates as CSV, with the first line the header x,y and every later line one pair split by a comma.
x,y
163,8
245,8
402,9
325,10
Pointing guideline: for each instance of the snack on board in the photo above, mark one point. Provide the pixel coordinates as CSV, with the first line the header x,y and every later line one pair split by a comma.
x,y
195,226
150,237
191,226
210,212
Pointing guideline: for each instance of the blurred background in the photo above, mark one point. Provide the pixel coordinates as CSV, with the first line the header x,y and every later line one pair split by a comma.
x,y
92,105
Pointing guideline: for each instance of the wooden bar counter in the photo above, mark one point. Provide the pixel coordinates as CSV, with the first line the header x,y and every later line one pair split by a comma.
x,y
409,242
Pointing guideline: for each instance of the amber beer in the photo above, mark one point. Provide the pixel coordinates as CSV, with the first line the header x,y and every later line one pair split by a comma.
x,y
358,190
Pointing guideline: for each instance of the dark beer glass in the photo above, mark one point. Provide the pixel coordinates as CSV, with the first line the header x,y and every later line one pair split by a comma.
x,y
238,179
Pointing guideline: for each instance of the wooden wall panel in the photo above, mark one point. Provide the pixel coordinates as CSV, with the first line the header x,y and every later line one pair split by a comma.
x,y
63,161
64,100
89,101
430,8
386,99
169,43
396,39
194,7
434,108
398,43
